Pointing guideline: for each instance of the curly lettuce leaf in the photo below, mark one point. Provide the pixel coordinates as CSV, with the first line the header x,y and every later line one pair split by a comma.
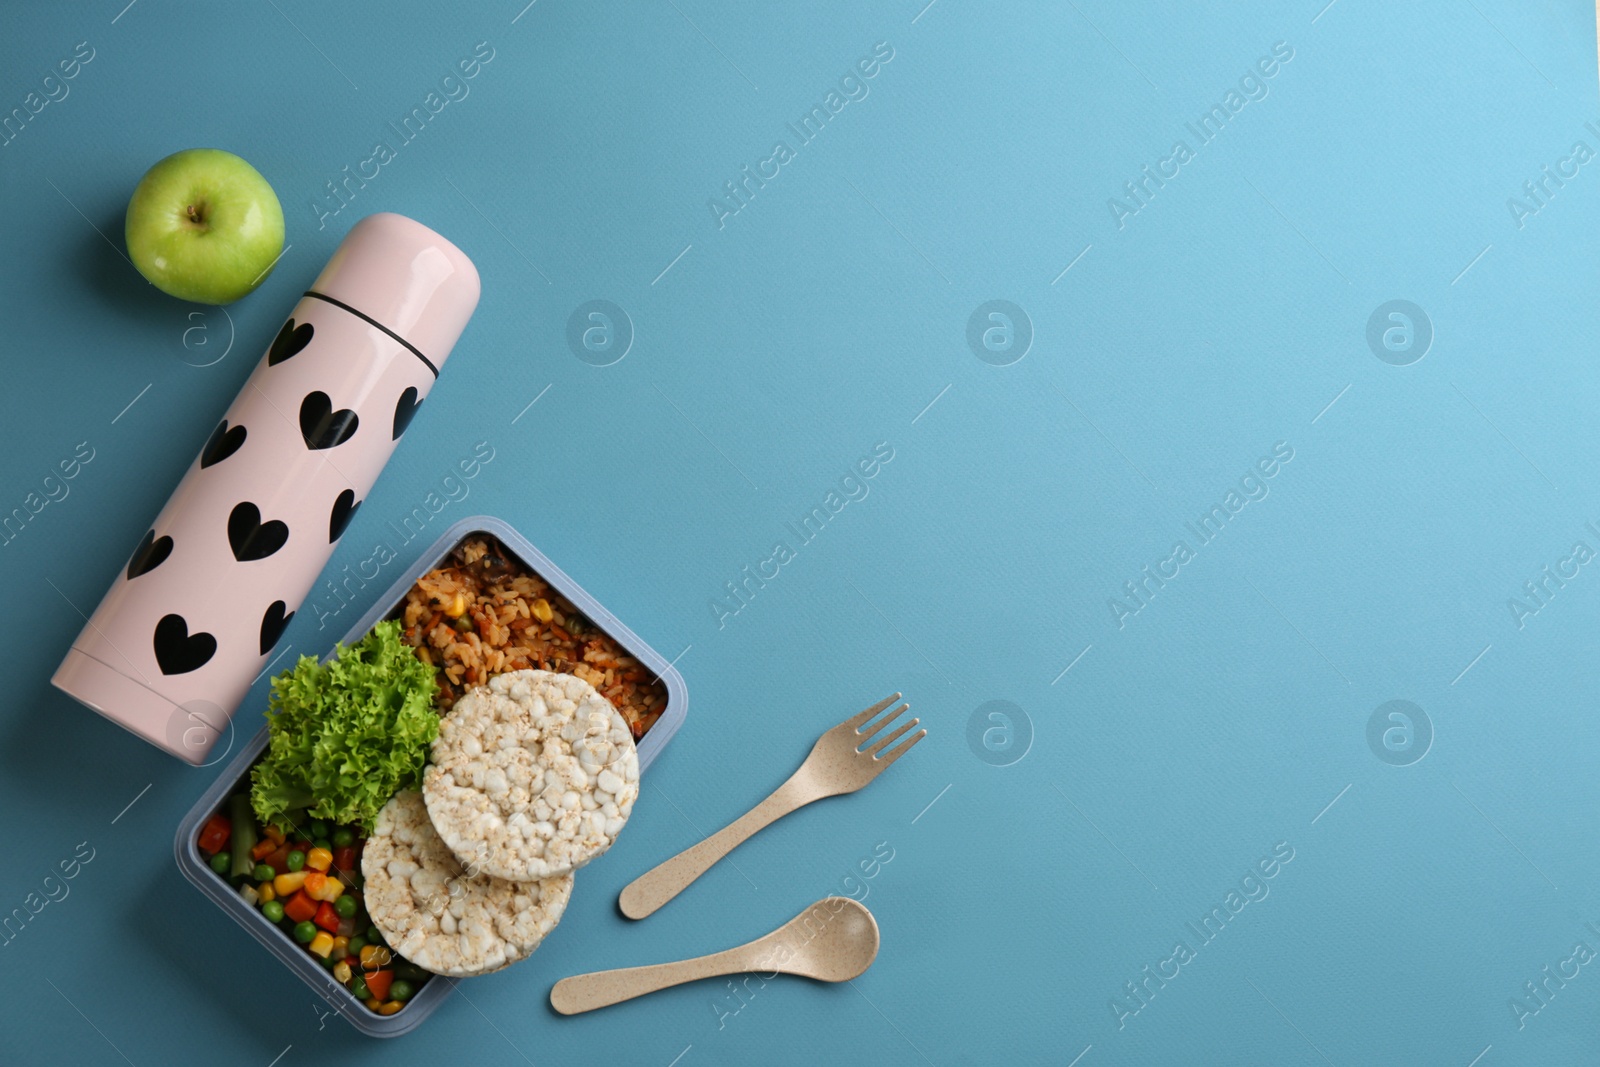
x,y
347,735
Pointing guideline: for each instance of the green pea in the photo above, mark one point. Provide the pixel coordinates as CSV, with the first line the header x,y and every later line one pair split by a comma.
x,y
358,986
400,991
322,843
357,943
273,910
328,961
263,873
409,971
295,860
345,907
222,863
318,828
304,932
343,837
374,936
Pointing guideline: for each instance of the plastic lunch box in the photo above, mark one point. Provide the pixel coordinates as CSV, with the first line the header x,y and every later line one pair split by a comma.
x,y
434,992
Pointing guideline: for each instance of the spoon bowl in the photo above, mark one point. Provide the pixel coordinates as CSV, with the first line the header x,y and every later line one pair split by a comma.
x,y
834,940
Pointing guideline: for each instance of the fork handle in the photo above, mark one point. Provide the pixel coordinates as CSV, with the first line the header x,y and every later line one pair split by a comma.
x,y
660,884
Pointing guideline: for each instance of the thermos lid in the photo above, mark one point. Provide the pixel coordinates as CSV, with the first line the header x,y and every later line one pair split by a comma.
x,y
400,275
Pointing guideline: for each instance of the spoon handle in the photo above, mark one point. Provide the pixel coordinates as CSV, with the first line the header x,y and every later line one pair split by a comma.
x,y
585,992
661,883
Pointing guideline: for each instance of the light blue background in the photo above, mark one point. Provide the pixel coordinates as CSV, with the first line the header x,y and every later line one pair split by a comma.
x,y
1228,314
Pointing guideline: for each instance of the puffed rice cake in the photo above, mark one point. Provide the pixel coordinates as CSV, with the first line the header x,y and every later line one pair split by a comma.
x,y
533,775
439,916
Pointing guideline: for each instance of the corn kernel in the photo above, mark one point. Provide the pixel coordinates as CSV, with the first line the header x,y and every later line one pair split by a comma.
x,y
341,972
321,945
390,1007
319,886
374,957
542,611
319,859
374,1003
265,892
458,606
285,884
341,947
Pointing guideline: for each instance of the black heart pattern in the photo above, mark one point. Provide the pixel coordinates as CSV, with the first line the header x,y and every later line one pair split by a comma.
x,y
151,553
177,650
323,427
251,538
344,509
273,623
222,444
405,409
290,340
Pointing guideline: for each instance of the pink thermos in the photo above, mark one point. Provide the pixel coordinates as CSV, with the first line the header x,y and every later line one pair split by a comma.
x,y
191,620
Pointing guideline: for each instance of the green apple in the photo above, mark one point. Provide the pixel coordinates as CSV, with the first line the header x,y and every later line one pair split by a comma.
x,y
204,225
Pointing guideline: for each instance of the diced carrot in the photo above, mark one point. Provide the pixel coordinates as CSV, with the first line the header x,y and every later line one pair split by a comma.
x,y
278,859
344,860
378,983
300,907
214,837
263,849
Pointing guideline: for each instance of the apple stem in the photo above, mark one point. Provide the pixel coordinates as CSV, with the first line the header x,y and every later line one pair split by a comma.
x,y
194,216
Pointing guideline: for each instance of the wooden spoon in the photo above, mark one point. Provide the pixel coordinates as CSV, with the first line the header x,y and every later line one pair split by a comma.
x,y
833,940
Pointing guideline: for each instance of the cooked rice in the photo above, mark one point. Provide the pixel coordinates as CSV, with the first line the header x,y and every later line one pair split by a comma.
x,y
505,603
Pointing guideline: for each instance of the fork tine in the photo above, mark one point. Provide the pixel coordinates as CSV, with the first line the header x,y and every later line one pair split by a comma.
x,y
855,721
871,730
900,749
879,746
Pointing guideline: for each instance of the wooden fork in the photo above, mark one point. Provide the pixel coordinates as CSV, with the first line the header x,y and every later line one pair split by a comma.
x,y
839,763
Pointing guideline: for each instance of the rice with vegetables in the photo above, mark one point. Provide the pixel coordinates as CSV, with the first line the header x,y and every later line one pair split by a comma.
x,y
482,613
